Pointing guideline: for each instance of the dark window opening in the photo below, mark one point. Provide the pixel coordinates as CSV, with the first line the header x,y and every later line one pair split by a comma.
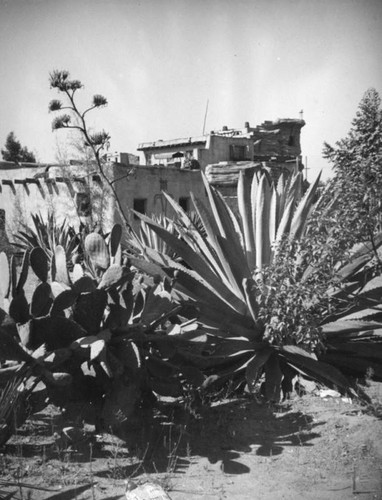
x,y
140,206
185,203
291,141
83,204
238,153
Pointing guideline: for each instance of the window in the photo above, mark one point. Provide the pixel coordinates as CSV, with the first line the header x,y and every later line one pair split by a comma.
x,y
140,206
238,153
184,202
291,141
83,204
163,184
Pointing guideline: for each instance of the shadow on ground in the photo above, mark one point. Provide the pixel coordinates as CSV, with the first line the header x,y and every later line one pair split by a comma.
x,y
223,434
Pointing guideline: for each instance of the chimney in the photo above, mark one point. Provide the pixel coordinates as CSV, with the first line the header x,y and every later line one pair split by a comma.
x,y
225,128
246,125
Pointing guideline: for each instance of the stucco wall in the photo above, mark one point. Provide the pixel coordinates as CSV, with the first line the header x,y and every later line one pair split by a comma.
x,y
147,183
66,190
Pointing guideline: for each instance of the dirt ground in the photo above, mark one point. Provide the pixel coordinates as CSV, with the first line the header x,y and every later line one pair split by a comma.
x,y
312,447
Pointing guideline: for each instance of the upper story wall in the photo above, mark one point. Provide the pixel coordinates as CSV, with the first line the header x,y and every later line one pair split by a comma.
x,y
142,189
278,140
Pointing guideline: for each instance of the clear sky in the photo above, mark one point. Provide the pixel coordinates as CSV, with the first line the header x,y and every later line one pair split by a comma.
x,y
159,61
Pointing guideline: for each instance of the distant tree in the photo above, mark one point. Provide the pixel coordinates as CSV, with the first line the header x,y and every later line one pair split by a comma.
x,y
355,191
15,152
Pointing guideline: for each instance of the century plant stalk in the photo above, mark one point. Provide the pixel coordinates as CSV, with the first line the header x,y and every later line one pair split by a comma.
x,y
96,142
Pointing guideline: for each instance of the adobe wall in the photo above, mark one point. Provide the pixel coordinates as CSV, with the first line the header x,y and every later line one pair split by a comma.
x,y
41,188
148,182
218,149
77,193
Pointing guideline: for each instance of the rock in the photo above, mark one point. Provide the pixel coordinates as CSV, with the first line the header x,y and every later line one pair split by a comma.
x,y
147,491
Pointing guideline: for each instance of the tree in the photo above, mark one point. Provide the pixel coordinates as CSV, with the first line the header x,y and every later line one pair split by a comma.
x,y
15,152
355,191
96,142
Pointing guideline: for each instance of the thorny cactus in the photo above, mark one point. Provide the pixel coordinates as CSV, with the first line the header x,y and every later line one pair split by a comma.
x,y
99,331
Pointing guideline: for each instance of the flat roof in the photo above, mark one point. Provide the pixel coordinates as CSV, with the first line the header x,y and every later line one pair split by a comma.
x,y
185,141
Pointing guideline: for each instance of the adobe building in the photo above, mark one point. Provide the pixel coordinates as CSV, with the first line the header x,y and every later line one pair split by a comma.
x,y
78,193
272,140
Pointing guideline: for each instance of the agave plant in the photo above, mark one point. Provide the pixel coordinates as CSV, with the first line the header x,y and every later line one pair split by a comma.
x,y
47,235
224,273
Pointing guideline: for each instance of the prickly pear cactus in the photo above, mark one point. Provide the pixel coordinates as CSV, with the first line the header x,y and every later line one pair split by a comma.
x,y
96,249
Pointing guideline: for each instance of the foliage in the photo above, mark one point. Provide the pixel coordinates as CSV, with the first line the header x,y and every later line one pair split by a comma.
x,y
356,209
99,331
13,151
260,296
48,235
75,119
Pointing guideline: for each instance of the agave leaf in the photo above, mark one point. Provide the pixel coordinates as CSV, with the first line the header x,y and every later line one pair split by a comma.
x,y
273,378
149,268
273,214
301,214
261,222
286,219
193,259
208,221
213,205
320,371
193,237
355,365
39,263
254,366
355,265
4,275
197,289
344,327
249,286
157,303
360,349
243,199
114,276
23,273
234,265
